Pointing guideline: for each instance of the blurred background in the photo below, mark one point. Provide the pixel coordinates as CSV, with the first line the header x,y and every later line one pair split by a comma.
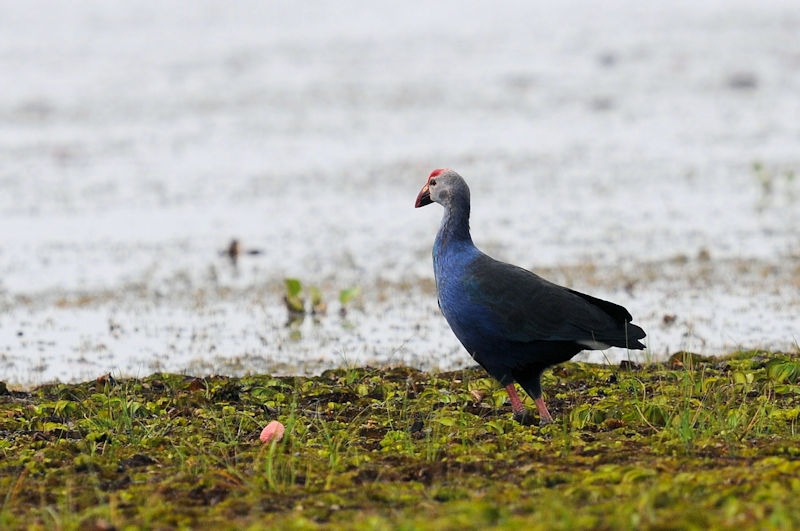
x,y
643,153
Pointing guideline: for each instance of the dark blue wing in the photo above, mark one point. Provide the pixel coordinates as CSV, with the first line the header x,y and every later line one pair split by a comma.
x,y
527,308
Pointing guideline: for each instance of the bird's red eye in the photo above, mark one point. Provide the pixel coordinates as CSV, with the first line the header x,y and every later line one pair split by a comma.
x,y
432,183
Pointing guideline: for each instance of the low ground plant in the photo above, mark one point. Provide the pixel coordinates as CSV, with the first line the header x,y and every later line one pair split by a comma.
x,y
690,443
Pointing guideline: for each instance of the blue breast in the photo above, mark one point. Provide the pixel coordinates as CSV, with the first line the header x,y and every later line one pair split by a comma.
x,y
471,321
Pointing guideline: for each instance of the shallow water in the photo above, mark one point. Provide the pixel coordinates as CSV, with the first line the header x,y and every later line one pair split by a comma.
x,y
644,155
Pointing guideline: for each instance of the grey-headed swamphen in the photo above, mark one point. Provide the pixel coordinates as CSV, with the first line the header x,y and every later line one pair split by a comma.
x,y
514,323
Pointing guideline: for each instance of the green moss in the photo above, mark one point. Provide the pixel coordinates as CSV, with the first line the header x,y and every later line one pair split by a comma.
x,y
692,443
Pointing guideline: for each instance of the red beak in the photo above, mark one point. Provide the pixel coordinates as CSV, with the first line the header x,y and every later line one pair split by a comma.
x,y
424,197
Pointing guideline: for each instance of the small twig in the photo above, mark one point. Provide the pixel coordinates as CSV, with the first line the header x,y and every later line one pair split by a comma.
x,y
753,420
644,419
17,486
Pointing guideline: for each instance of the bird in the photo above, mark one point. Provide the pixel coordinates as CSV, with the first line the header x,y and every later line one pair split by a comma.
x,y
514,323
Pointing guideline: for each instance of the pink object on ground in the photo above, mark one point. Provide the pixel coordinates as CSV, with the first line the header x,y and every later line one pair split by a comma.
x,y
273,430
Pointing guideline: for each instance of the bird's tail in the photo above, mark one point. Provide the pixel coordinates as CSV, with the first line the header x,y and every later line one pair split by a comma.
x,y
633,334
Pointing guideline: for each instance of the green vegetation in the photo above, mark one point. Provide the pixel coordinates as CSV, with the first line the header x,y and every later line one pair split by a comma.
x,y
774,183
691,443
294,297
295,301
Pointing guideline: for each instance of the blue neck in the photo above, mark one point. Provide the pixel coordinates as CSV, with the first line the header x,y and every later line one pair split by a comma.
x,y
453,247
455,227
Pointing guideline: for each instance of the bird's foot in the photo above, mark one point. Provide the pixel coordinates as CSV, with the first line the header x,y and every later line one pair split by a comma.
x,y
524,418
544,416
528,419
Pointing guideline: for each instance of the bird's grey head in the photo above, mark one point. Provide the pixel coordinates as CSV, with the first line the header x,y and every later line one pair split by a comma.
x,y
445,187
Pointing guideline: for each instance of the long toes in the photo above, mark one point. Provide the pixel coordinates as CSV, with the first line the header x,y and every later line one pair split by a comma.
x,y
544,421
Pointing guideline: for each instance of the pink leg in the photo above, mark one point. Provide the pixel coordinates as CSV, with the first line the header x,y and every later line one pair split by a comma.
x,y
520,415
516,403
544,415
